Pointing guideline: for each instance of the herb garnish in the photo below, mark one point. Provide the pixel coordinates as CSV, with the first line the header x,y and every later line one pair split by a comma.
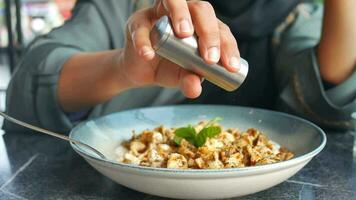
x,y
197,139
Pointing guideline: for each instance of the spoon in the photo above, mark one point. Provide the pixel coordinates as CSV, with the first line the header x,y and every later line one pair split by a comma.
x,y
51,133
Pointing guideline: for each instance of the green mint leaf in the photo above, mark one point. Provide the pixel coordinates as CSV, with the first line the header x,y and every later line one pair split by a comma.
x,y
212,131
177,140
200,140
205,133
185,132
188,133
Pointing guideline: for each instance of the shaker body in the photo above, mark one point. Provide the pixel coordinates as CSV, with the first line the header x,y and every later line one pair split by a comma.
x,y
184,52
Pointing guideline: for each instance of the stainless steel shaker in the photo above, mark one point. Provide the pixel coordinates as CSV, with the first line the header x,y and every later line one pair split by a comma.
x,y
184,52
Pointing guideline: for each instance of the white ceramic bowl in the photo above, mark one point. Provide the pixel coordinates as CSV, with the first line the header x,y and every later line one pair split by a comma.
x,y
300,136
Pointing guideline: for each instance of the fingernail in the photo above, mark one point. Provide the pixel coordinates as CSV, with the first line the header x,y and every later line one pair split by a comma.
x,y
234,62
213,54
184,26
146,51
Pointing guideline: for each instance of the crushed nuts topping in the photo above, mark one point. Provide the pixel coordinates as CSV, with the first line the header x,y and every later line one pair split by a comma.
x,y
229,148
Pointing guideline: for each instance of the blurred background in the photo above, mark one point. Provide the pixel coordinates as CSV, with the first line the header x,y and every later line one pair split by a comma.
x,y
20,22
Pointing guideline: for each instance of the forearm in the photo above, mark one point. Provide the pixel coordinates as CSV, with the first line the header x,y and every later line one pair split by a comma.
x,y
88,79
337,47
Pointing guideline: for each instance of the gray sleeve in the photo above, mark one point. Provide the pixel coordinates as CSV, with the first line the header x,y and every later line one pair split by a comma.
x,y
301,89
32,92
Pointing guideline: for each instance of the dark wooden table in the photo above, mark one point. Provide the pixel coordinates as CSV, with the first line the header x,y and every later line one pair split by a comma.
x,y
34,166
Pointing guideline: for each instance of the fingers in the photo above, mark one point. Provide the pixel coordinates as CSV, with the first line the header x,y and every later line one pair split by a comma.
x,y
190,84
179,14
216,42
139,30
207,29
169,74
230,55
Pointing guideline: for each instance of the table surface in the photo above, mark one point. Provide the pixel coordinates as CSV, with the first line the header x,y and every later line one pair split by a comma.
x,y
34,166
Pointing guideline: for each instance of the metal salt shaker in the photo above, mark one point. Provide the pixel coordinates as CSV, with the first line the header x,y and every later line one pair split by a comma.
x,y
184,52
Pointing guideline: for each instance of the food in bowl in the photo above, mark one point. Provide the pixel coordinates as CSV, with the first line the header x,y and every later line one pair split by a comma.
x,y
206,145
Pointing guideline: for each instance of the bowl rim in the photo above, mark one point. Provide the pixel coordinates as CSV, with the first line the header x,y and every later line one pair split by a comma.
x,y
254,169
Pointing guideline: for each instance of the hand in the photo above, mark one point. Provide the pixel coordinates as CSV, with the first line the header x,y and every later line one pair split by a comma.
x,y
141,66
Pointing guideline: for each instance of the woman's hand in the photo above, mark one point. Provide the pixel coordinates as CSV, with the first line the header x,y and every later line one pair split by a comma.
x,y
141,66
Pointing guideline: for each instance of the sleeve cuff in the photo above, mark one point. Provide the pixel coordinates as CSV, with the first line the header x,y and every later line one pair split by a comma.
x,y
307,97
76,117
343,93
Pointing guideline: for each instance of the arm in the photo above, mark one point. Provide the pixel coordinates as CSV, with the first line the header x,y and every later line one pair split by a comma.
x,y
337,48
89,79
